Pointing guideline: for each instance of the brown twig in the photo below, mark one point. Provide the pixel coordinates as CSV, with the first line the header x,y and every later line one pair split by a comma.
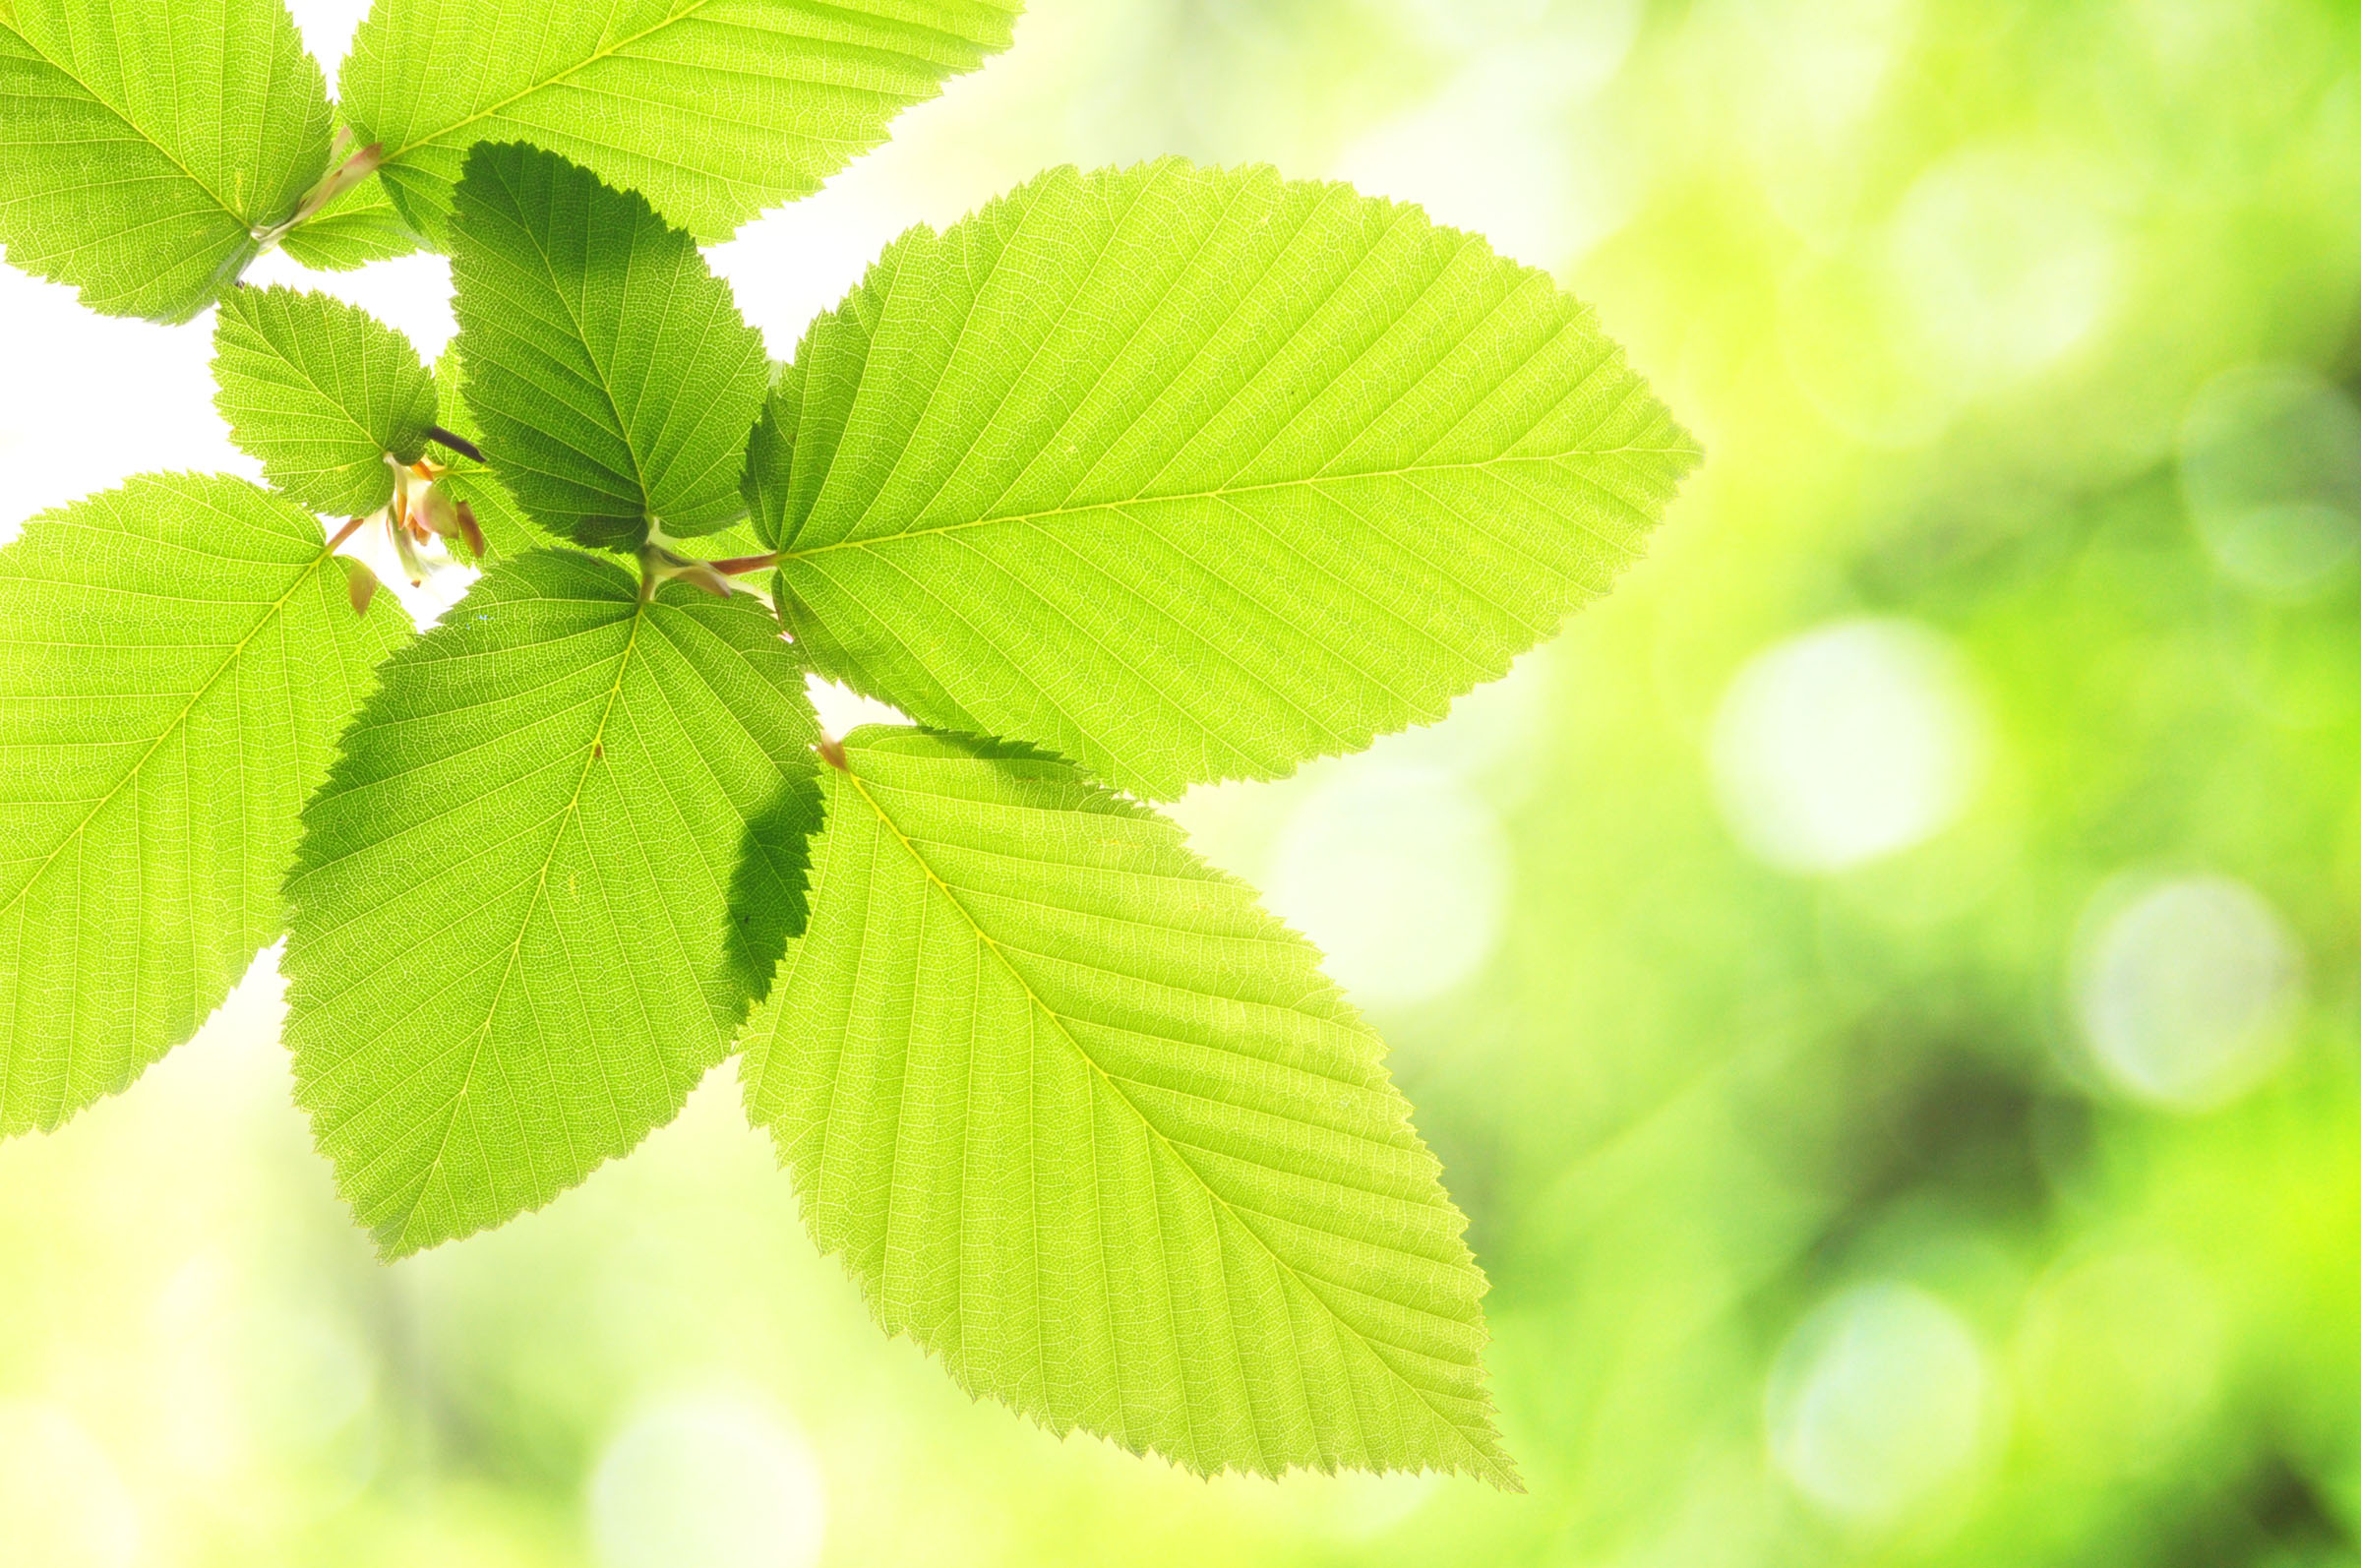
x,y
740,566
457,443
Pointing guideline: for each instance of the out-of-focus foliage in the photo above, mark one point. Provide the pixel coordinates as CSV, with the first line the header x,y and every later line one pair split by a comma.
x,y
1883,986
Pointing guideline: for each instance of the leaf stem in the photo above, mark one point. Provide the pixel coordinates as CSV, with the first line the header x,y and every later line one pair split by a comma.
x,y
741,565
347,169
347,532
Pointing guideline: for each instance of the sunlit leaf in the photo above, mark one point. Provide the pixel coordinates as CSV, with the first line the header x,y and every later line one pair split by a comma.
x,y
714,109
322,393
1194,474
557,858
607,368
1088,1123
356,228
177,660
507,531
140,145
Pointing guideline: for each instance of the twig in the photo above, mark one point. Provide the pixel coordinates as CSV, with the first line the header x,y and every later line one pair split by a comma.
x,y
740,566
458,443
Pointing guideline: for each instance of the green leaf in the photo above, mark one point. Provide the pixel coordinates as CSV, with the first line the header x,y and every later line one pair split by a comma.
x,y
506,530
321,393
608,369
356,228
480,1018
179,656
140,145
714,108
1090,1124
1193,474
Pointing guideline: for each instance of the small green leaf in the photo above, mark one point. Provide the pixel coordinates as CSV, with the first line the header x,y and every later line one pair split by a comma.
x,y
177,660
322,392
1088,1123
141,144
714,108
608,369
356,228
1194,474
558,857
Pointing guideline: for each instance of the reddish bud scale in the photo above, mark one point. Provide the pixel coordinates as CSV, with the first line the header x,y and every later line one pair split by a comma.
x,y
360,585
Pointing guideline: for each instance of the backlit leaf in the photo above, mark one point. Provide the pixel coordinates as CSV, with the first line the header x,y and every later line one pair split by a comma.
x,y
557,858
177,658
1194,474
356,228
714,108
1089,1125
607,368
507,533
323,392
142,143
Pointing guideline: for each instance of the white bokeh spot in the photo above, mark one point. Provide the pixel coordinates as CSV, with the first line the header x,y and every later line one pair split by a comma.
x,y
2188,993
1399,873
1847,743
1878,1401
2006,259
707,1481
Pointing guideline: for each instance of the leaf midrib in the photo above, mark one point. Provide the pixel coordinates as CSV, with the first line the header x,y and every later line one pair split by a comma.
x,y
483,1032
624,428
1490,1468
178,720
1222,493
608,52
546,83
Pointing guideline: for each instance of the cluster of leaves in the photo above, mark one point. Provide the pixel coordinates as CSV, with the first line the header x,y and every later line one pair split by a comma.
x,y
1133,480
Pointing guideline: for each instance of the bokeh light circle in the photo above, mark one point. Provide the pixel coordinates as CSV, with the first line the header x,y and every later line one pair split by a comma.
x,y
2188,993
1847,743
1400,873
2005,262
1877,1402
707,1481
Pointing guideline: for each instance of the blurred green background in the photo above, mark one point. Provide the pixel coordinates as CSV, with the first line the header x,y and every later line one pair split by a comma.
x,y
1883,984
